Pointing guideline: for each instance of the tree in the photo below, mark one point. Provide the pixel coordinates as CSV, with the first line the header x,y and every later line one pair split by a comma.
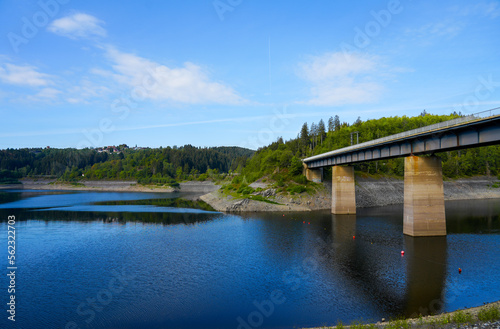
x,y
314,134
331,126
321,130
336,123
304,137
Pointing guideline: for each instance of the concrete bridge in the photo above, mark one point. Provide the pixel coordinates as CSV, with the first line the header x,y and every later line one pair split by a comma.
x,y
423,180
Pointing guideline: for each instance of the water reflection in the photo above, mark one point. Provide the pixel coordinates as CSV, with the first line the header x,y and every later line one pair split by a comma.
x,y
203,270
426,274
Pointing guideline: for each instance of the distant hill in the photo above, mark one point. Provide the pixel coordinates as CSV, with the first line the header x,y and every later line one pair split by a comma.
x,y
162,165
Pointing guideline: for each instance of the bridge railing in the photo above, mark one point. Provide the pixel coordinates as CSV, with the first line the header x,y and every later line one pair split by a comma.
x,y
436,126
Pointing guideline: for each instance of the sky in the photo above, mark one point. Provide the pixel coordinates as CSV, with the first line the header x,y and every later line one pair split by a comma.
x,y
235,72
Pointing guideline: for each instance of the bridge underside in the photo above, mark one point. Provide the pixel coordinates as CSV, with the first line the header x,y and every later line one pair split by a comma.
x,y
480,134
424,213
423,182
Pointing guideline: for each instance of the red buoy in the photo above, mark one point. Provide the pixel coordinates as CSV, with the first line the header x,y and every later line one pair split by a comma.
x,y
308,223
459,270
402,252
353,237
303,222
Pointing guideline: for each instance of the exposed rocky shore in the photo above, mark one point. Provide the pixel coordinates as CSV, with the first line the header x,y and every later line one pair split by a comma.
x,y
370,192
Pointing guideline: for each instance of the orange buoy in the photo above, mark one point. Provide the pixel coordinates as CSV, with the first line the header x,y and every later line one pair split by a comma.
x,y
354,237
402,252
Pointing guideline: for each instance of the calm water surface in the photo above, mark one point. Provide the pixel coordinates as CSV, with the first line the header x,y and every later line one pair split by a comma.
x,y
145,260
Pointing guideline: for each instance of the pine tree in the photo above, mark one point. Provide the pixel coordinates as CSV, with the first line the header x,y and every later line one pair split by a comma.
x,y
331,126
336,123
321,131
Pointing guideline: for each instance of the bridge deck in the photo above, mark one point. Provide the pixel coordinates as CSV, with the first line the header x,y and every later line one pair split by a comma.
x,y
465,132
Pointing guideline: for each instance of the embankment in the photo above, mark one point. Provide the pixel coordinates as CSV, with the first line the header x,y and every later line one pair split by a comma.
x,y
370,192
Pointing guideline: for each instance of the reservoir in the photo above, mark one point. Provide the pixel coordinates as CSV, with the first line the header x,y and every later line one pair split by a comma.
x,y
151,260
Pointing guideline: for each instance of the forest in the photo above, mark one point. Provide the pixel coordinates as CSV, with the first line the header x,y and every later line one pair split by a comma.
x,y
279,162
145,165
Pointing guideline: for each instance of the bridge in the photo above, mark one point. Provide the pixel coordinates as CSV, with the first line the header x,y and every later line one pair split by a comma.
x,y
423,180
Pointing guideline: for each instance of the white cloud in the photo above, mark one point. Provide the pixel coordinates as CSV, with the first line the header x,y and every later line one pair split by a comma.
x,y
45,94
341,78
23,75
447,28
187,84
78,26
86,91
489,9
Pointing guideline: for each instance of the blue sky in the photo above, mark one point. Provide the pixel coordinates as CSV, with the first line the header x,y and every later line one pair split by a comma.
x,y
235,72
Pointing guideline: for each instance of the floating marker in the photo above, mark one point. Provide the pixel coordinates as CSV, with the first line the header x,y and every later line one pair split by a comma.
x,y
353,237
303,222
402,252
459,270
308,223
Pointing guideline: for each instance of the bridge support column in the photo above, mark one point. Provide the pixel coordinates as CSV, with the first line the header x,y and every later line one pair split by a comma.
x,y
423,197
315,175
343,190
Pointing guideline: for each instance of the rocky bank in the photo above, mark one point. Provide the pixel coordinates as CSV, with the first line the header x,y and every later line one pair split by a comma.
x,y
370,192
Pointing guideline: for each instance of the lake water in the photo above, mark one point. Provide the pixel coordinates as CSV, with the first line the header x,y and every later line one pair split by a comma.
x,y
146,260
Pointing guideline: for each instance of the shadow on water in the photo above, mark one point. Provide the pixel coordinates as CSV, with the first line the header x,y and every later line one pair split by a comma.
x,y
426,274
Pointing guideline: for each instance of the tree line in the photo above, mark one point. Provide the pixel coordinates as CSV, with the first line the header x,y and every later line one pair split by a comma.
x,y
282,159
162,165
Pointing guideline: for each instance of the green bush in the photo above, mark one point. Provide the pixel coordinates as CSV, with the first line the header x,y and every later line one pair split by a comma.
x,y
462,317
296,189
300,179
245,190
489,314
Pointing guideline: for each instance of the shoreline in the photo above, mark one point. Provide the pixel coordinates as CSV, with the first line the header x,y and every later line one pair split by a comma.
x,y
370,192
442,320
111,186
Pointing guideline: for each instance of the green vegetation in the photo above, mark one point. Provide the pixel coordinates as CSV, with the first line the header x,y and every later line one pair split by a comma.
x,y
280,161
163,166
9,177
278,164
461,317
488,313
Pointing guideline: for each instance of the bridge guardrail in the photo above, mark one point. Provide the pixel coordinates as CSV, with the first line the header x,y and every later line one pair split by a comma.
x,y
468,118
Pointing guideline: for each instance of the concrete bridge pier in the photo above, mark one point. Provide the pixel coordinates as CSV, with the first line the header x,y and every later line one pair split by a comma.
x,y
343,190
314,175
423,197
